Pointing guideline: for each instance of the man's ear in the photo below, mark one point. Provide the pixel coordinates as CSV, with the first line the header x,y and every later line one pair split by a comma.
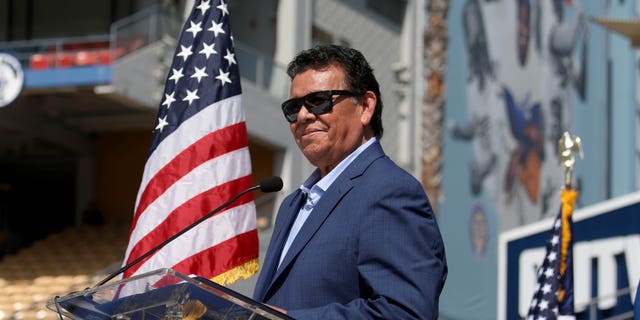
x,y
369,102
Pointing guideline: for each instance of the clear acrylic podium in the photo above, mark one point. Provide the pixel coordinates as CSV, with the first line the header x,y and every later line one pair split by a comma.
x,y
163,294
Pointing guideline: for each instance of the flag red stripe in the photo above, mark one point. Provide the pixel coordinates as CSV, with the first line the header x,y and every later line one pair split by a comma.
x,y
188,213
210,146
222,257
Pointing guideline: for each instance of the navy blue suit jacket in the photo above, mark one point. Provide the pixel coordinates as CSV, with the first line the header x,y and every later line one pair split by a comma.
x,y
371,249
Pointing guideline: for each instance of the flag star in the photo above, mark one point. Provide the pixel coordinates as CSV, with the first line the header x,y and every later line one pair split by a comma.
x,y
223,8
557,224
546,288
208,50
176,75
549,273
544,304
199,73
555,240
230,57
223,77
541,318
216,28
204,6
168,99
194,28
162,122
552,256
185,52
191,96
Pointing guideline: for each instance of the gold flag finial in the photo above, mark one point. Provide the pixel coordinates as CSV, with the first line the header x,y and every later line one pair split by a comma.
x,y
568,145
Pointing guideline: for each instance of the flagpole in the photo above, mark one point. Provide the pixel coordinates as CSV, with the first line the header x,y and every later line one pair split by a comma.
x,y
553,296
568,145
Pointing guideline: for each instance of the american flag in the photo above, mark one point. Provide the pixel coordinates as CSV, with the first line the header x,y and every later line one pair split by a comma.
x,y
553,297
198,159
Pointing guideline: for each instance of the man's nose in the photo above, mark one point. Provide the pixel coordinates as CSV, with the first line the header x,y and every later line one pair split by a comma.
x,y
304,114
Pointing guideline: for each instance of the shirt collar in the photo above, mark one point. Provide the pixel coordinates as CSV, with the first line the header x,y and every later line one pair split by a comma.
x,y
315,184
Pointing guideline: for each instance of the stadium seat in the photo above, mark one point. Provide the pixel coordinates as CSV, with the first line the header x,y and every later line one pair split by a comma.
x,y
84,58
35,274
64,60
39,61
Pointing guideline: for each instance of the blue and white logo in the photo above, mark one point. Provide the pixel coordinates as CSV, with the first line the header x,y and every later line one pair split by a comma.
x,y
606,261
11,79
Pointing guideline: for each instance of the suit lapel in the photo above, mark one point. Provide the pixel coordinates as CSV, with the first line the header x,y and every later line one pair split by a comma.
x,y
317,217
284,221
340,187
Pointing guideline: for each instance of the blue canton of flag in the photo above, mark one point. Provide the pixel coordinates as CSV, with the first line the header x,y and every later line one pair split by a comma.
x,y
553,296
199,158
204,69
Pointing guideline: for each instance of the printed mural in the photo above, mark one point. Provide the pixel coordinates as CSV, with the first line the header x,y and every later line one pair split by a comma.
x,y
525,65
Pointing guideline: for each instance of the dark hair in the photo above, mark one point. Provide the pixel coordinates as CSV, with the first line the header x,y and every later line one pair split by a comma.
x,y
357,71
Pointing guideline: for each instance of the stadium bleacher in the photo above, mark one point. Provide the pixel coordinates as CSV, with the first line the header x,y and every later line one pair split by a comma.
x,y
66,59
71,260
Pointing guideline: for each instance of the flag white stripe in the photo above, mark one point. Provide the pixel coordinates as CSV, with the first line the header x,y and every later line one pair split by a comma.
x,y
219,115
215,172
215,230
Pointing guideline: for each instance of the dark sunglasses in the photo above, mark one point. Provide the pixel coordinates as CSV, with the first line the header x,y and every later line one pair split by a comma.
x,y
319,102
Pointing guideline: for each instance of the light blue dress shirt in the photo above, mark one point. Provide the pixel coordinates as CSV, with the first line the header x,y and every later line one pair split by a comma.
x,y
314,188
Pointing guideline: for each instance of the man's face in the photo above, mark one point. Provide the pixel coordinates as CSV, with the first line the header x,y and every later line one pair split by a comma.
x,y
327,139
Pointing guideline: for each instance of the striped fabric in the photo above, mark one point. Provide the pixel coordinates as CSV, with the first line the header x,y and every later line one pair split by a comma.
x,y
198,159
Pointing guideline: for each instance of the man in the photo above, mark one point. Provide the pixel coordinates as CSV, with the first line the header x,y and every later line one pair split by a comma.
x,y
358,240
636,306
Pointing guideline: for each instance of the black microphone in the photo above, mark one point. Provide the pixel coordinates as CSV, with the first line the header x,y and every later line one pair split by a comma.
x,y
271,184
